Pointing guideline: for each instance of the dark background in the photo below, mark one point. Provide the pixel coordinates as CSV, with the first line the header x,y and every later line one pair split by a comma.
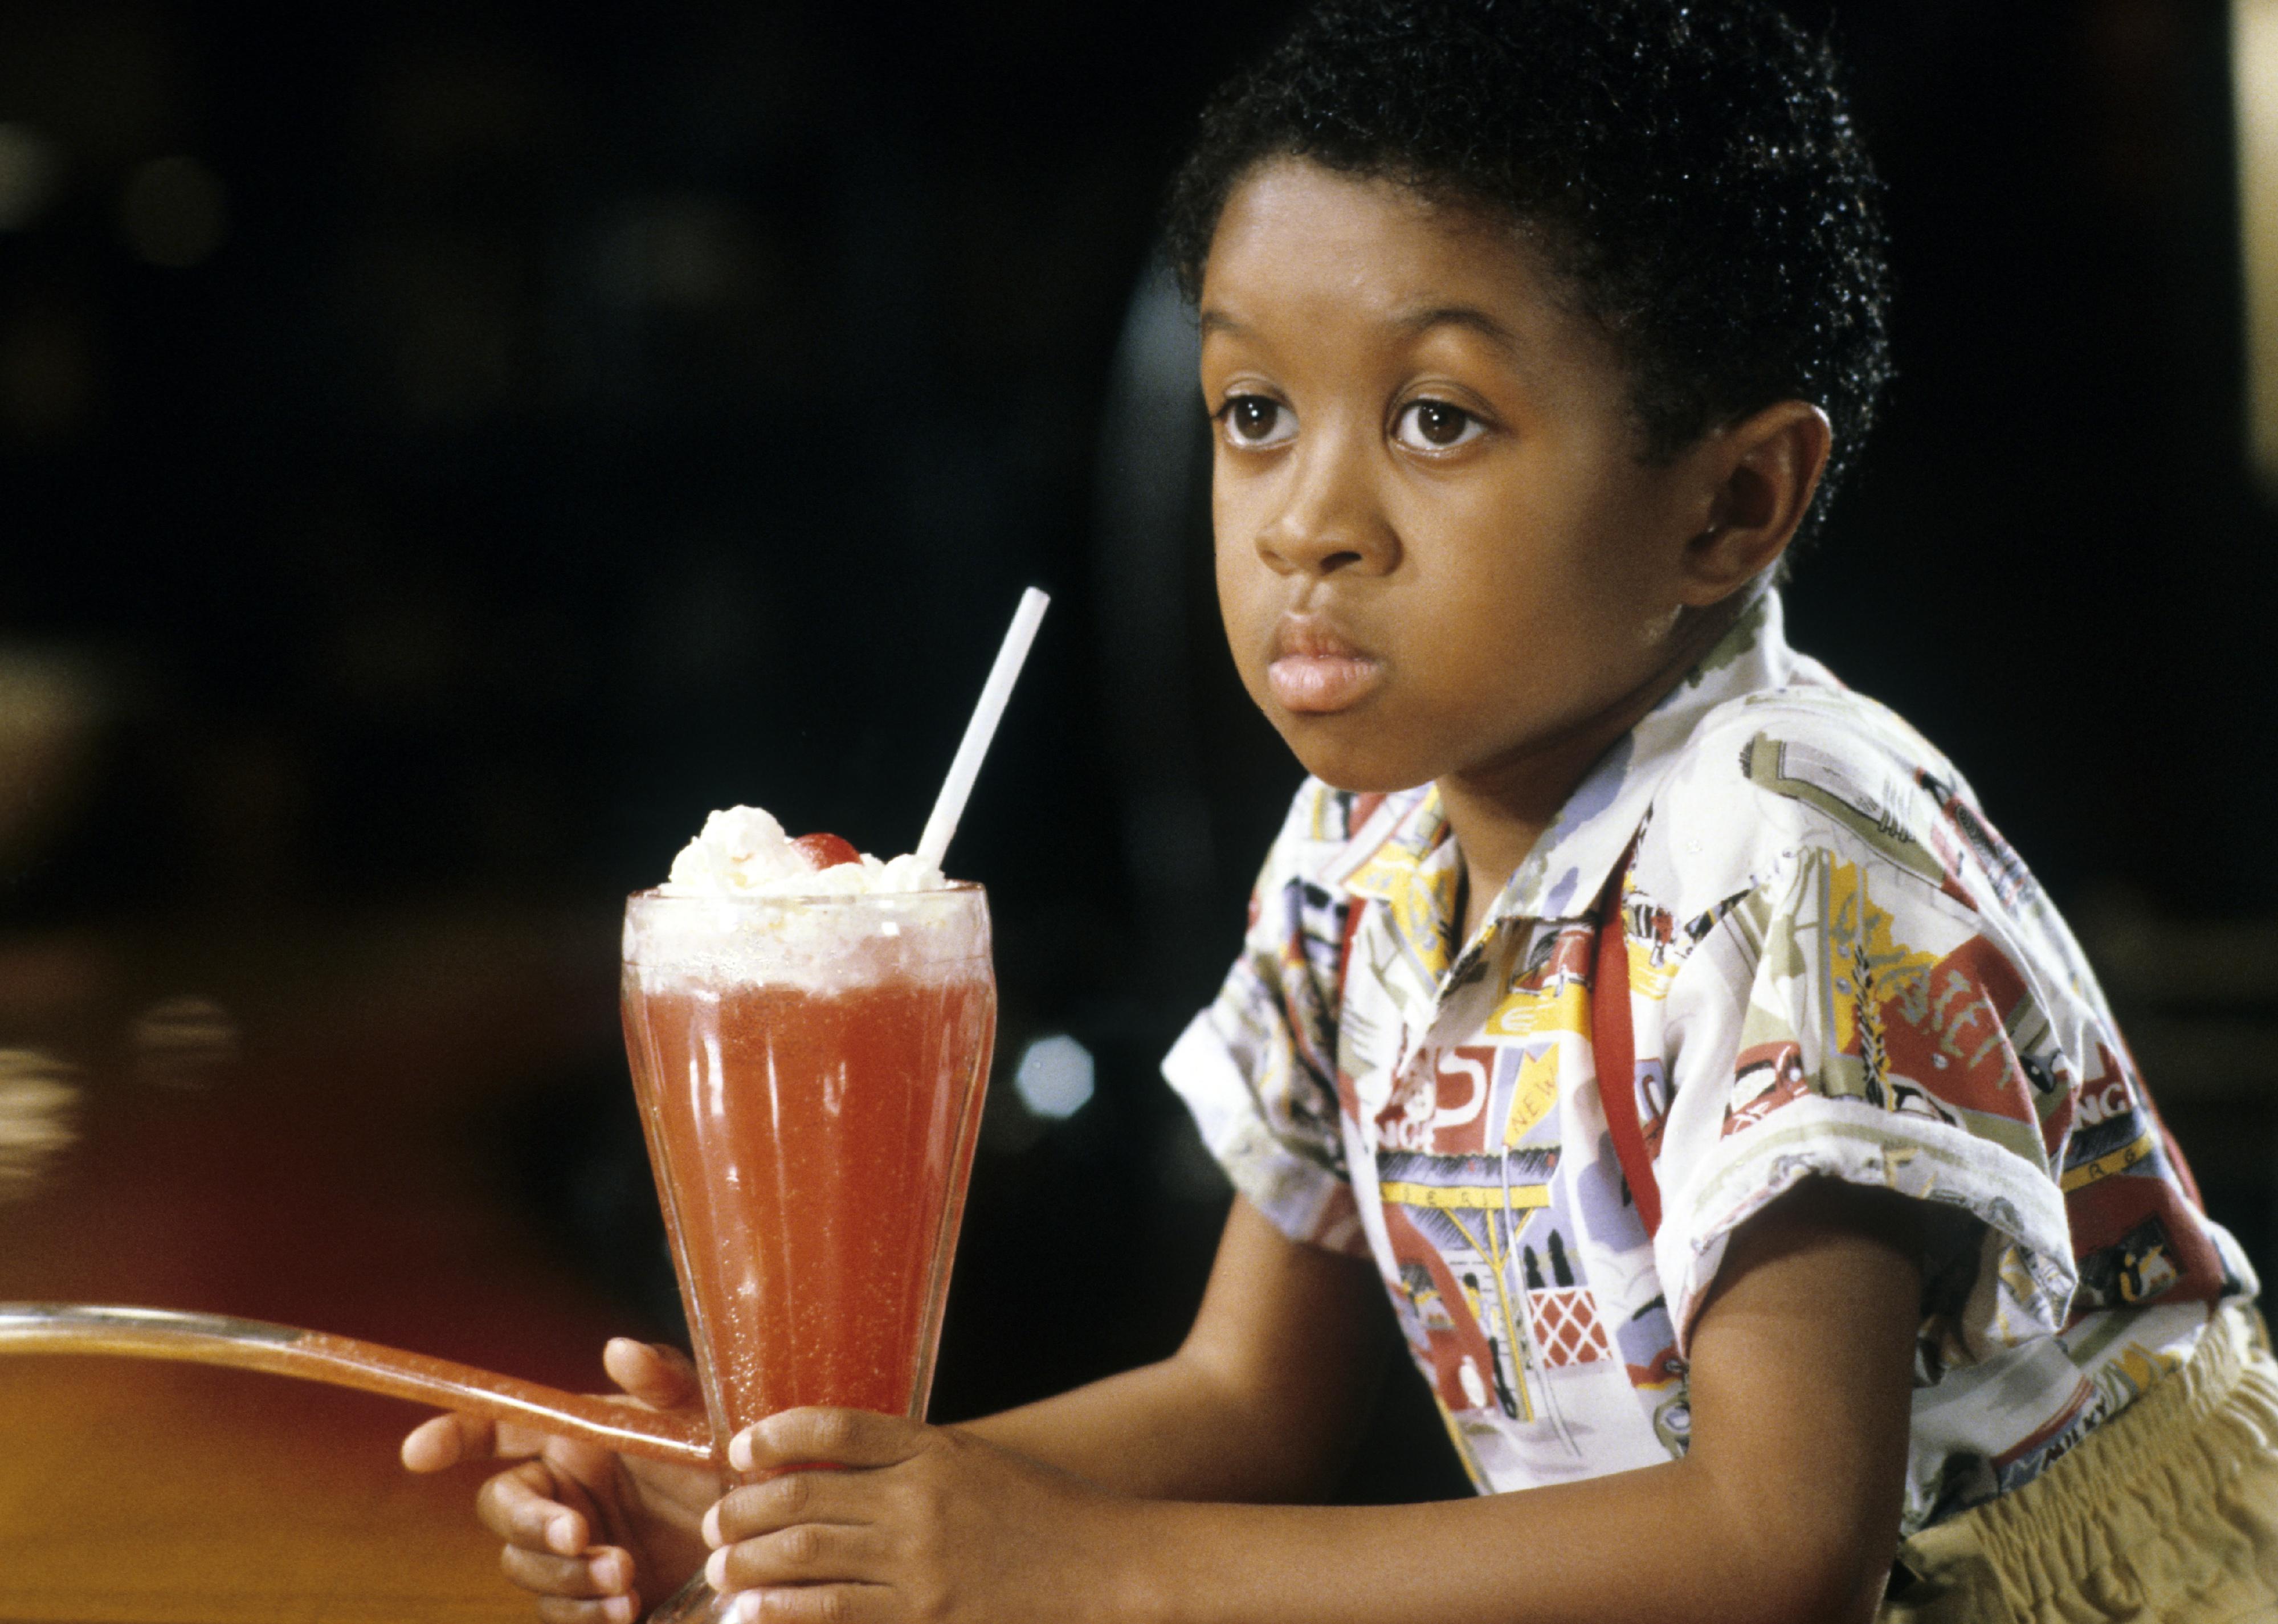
x,y
446,449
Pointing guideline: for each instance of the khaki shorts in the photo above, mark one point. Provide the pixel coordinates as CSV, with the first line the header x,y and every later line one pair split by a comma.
x,y
2168,1512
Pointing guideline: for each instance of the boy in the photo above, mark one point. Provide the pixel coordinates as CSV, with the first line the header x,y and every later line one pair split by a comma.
x,y
1657,1023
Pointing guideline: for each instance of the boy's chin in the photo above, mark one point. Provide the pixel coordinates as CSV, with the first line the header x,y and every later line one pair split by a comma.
x,y
1356,771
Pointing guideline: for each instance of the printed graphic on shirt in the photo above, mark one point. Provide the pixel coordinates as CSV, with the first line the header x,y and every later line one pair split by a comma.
x,y
1550,991
1417,894
1950,1032
1486,1253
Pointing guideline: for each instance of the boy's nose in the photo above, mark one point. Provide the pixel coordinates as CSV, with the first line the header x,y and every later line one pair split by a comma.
x,y
1328,523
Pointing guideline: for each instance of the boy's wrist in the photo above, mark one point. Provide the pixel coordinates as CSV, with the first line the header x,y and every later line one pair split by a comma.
x,y
1148,1561
1214,1562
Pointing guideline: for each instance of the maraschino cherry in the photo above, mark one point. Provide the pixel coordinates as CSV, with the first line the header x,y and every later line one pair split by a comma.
x,y
826,851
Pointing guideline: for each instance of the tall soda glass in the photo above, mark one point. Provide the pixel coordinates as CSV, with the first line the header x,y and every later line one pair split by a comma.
x,y
810,1073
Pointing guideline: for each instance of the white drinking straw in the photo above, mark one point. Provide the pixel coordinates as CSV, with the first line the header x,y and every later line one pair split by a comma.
x,y
950,806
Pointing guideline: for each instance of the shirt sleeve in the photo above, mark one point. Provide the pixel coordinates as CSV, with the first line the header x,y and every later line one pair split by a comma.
x,y
1845,1015
1257,1068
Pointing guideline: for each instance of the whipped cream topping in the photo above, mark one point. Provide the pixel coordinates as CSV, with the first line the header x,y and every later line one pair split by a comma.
x,y
744,852
747,907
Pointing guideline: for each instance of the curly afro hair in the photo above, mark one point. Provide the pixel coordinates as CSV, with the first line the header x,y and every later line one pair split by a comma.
x,y
1688,166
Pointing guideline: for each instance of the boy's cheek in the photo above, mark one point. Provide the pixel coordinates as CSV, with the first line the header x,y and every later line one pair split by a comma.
x,y
1247,622
1244,591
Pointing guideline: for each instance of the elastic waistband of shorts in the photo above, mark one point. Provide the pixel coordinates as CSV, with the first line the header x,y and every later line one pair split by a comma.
x,y
2158,1472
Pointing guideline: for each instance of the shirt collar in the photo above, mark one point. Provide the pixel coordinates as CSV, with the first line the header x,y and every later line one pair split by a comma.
x,y
1399,854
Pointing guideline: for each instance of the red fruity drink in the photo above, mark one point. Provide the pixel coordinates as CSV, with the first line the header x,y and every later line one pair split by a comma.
x,y
810,1073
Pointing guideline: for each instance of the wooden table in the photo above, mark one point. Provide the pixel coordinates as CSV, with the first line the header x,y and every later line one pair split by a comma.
x,y
333,1179
167,1494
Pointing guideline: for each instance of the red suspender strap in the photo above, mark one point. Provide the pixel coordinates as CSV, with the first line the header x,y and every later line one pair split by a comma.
x,y
1614,1043
1363,807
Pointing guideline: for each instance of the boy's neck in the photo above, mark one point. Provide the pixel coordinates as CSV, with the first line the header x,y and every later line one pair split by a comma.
x,y
1498,812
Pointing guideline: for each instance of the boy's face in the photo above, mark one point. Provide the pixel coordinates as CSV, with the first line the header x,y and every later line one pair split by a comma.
x,y
1439,551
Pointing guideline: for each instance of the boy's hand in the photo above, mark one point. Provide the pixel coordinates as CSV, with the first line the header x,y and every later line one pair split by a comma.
x,y
595,1536
915,1522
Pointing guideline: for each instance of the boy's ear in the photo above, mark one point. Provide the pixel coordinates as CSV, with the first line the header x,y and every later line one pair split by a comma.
x,y
1762,472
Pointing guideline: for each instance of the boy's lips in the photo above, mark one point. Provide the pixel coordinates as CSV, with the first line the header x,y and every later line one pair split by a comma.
x,y
1315,670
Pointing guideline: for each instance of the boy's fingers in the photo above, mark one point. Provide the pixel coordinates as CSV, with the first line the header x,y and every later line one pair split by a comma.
x,y
810,1554
613,1609
660,1376
596,1575
442,1442
820,1437
512,1440
808,1604
519,1508
684,1488
783,1502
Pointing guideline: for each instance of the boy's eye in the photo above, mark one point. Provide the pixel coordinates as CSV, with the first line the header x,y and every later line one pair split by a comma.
x,y
1434,425
1258,420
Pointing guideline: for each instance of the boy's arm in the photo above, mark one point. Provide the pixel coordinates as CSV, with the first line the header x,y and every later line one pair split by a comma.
x,y
1786,1507
1260,1401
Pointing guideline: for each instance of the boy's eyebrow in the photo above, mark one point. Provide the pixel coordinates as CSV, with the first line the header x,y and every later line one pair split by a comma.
x,y
1462,316
1414,321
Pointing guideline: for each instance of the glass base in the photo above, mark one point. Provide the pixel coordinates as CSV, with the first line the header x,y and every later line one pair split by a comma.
x,y
694,1603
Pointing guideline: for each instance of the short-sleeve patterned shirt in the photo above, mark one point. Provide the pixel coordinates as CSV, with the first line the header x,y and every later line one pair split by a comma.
x,y
1836,968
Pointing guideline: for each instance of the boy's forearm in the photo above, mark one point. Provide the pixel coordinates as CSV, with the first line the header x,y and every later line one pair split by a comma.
x,y
1644,1545
1663,1543
1165,1431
